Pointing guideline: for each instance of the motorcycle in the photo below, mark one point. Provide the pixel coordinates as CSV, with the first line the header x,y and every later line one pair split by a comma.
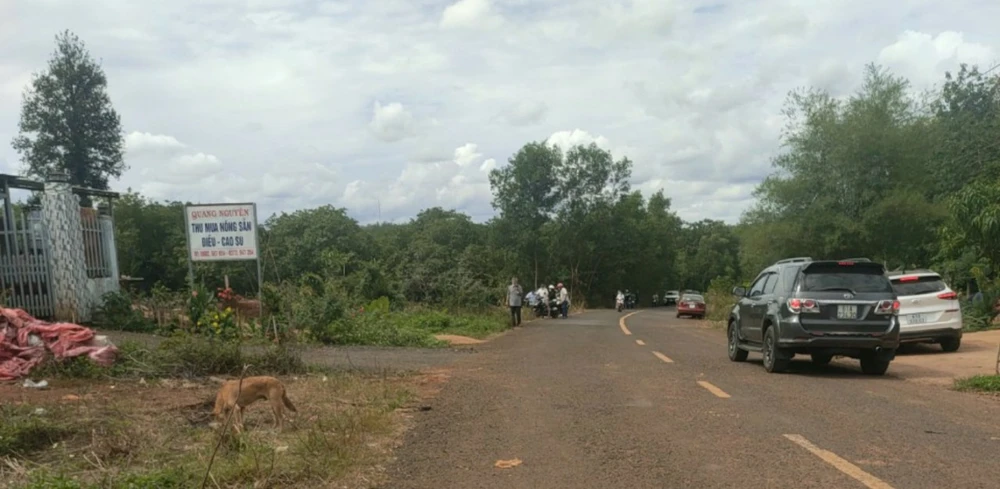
x,y
554,308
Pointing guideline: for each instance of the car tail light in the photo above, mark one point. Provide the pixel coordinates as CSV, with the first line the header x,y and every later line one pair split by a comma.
x,y
909,278
887,307
845,263
948,296
803,306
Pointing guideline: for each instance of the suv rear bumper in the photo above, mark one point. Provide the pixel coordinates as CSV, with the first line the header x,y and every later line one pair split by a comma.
x,y
929,335
793,336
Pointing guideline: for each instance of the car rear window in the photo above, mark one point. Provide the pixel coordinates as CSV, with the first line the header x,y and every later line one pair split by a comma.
x,y
927,284
834,277
695,298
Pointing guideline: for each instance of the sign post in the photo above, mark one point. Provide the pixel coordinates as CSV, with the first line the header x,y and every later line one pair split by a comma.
x,y
222,232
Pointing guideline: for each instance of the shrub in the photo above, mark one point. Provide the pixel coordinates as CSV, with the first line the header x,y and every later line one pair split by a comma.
x,y
719,299
117,312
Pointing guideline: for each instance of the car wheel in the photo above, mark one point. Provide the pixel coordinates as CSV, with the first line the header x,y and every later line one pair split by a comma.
x,y
735,353
951,344
821,358
678,315
873,364
774,362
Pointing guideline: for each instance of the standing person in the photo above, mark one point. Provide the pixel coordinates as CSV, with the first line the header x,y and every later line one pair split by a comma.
x,y
533,301
543,299
564,301
619,301
514,295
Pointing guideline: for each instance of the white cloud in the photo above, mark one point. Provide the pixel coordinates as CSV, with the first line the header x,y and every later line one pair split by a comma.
x,y
470,14
923,57
391,122
290,103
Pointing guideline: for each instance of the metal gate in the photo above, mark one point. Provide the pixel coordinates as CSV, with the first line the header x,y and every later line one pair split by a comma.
x,y
25,275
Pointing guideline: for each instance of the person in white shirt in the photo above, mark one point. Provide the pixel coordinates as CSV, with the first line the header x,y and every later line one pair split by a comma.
x,y
564,301
620,300
514,297
543,297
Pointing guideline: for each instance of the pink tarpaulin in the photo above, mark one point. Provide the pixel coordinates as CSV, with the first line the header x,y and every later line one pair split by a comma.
x,y
24,341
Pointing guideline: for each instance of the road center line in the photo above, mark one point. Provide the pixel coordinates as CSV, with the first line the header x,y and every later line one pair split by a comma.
x,y
713,389
621,323
840,464
663,357
640,342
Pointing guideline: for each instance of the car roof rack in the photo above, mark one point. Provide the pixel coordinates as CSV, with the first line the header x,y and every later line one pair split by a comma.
x,y
800,259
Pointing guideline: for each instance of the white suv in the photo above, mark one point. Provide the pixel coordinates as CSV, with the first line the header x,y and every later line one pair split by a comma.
x,y
929,310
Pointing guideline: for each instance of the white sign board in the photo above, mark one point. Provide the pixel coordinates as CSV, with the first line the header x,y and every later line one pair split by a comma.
x,y
218,232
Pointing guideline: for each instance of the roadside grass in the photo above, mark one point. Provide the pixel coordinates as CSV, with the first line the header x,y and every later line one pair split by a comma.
x,y
130,434
979,383
183,356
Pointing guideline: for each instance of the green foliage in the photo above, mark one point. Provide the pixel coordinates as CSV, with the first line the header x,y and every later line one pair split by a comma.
x,y
117,312
201,302
719,299
67,121
182,355
980,383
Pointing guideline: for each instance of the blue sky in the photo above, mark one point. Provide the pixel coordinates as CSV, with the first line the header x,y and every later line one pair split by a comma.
x,y
405,104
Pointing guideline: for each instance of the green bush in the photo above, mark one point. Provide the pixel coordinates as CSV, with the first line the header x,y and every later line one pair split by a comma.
x,y
979,315
719,299
117,313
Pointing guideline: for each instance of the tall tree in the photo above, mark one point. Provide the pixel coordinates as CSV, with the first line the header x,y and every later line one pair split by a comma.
x,y
67,120
525,193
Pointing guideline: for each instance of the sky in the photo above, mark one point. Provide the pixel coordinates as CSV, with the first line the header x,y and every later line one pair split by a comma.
x,y
387,107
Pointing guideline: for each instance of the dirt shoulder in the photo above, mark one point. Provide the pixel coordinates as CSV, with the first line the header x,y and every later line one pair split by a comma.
x,y
928,364
113,433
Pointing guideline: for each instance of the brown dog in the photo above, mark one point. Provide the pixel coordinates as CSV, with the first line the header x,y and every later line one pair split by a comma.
x,y
252,390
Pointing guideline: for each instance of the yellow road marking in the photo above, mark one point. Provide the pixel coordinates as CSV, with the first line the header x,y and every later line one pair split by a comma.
x,y
713,389
663,357
621,323
840,464
640,342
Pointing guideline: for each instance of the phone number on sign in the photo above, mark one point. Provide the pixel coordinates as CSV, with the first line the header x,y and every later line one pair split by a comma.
x,y
218,253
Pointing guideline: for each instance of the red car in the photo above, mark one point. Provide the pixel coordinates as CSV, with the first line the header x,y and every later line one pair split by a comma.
x,y
691,305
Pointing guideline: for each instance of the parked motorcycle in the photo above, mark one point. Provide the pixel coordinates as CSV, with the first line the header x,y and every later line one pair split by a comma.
x,y
554,308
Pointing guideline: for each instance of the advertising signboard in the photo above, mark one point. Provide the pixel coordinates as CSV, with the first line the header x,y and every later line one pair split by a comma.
x,y
221,232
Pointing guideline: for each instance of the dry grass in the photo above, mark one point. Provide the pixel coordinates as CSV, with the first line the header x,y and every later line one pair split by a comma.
x,y
133,433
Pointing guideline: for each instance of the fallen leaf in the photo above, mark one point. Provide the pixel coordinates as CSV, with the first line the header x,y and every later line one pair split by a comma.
x,y
507,464
71,397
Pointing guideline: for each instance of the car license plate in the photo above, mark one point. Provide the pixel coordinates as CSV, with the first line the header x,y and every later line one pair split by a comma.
x,y
916,318
847,312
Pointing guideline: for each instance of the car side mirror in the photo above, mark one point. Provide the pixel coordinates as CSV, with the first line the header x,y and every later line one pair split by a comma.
x,y
739,291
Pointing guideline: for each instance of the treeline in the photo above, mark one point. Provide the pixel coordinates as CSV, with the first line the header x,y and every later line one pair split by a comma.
x,y
912,180
563,217
909,179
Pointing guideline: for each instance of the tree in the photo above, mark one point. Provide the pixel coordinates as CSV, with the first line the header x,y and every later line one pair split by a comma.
x,y
851,171
67,120
524,192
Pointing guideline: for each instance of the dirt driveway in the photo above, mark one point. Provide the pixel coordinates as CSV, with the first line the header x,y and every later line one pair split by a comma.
x,y
928,364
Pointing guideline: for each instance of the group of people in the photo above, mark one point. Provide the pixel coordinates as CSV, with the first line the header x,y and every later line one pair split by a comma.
x,y
539,300
626,300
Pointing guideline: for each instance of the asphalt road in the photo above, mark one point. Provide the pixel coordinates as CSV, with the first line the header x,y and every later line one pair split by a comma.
x,y
582,404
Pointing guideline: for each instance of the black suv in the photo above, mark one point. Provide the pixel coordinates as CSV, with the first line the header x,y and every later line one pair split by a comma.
x,y
822,308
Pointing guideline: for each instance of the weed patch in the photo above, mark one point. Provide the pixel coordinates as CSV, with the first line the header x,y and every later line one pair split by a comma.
x,y
157,435
979,383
